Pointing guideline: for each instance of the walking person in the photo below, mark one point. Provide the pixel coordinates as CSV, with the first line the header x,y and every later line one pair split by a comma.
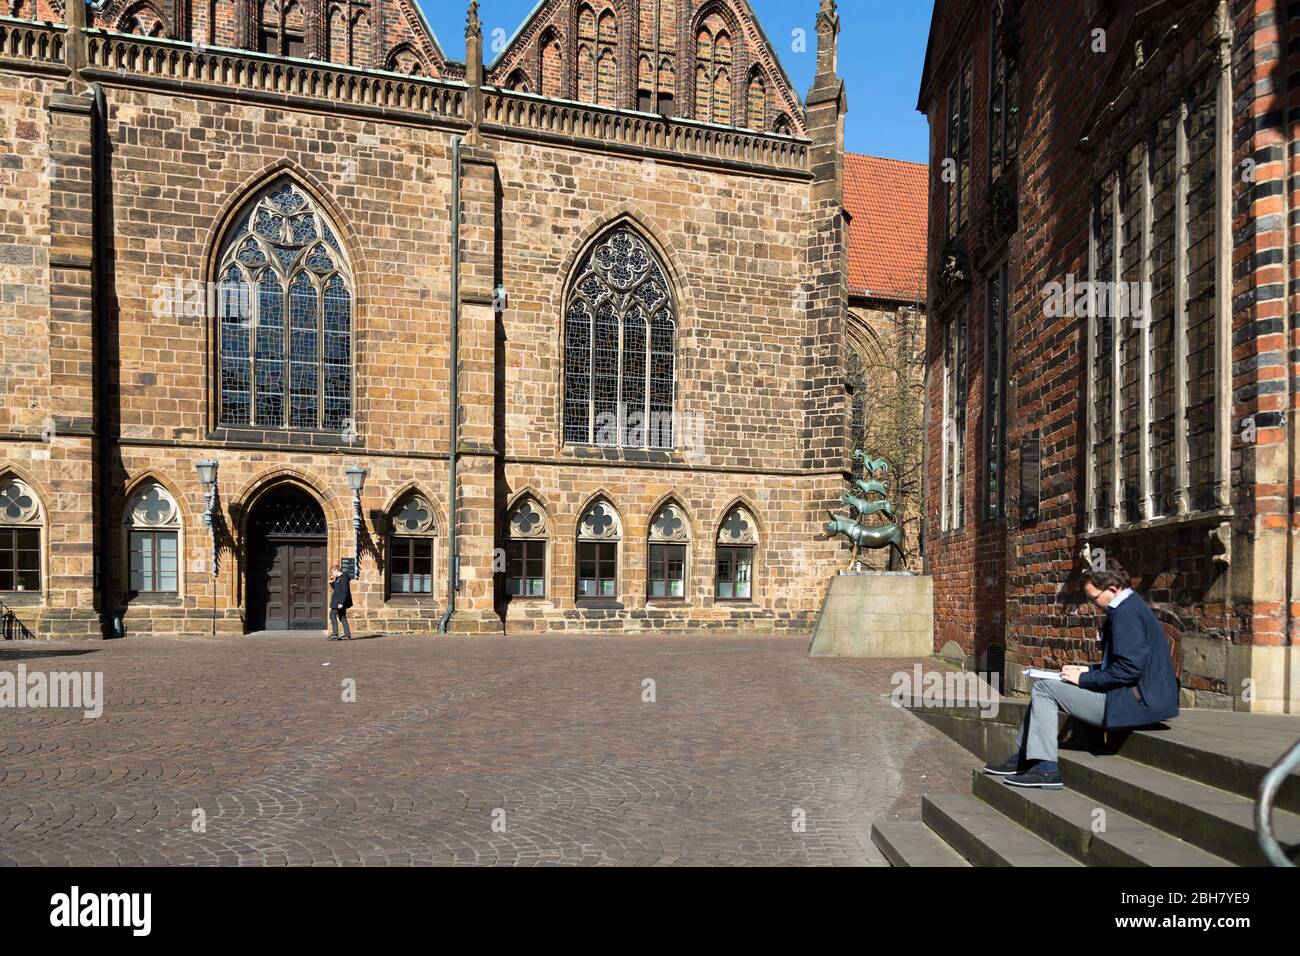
x,y
340,601
1135,686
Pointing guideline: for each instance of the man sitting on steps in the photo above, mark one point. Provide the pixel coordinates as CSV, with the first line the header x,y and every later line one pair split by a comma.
x,y
1135,685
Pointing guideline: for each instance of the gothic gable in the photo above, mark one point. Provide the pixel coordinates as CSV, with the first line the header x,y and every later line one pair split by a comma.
x,y
712,63
369,34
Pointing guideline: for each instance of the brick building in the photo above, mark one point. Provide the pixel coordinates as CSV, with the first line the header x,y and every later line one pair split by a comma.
x,y
1112,337
264,235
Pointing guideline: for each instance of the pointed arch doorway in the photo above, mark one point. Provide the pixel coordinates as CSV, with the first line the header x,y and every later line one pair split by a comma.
x,y
288,549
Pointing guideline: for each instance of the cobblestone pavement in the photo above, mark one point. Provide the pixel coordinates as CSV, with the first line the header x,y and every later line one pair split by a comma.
x,y
547,738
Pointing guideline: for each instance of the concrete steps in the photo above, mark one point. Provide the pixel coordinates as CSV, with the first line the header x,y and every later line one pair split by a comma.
x,y
1180,796
906,843
985,837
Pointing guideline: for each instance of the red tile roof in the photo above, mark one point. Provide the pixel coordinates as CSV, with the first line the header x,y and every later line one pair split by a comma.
x,y
888,200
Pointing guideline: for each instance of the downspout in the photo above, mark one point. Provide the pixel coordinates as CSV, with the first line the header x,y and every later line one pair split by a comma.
x,y
454,429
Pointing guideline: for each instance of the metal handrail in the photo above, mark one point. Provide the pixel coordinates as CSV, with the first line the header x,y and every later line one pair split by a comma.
x,y
11,628
1268,791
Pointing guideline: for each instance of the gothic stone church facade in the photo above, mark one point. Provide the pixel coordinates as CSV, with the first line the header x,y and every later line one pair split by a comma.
x,y
600,281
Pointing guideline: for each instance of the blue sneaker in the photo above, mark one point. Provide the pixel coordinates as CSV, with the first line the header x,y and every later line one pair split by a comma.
x,y
1036,777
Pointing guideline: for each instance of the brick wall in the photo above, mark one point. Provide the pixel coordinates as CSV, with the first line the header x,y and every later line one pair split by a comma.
x,y
1216,583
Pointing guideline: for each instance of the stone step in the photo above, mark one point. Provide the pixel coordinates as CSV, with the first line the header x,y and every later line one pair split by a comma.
x,y
1222,749
1066,820
906,843
1217,821
1229,751
985,837
987,739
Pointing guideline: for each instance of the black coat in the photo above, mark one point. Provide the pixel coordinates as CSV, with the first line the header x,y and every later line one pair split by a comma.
x,y
341,592
1137,672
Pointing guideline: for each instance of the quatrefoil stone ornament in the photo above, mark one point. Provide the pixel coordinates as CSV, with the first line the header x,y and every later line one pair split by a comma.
x,y
669,523
736,526
153,507
414,515
526,520
15,502
599,521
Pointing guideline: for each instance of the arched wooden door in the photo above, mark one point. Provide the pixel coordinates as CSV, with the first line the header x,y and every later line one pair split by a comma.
x,y
288,567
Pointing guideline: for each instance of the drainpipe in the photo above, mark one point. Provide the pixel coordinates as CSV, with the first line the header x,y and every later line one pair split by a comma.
x,y
104,572
454,430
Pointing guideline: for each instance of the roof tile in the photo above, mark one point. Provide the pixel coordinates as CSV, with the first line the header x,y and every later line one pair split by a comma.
x,y
888,200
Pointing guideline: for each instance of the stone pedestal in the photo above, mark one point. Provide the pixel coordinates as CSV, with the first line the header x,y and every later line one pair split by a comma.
x,y
876,615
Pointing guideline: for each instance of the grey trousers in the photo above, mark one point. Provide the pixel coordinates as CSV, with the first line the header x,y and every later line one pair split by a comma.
x,y
335,616
1037,737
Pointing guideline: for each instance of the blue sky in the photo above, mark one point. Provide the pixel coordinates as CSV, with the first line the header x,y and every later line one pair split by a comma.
x,y
882,48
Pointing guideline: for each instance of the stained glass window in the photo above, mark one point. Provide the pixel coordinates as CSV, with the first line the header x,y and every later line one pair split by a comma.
x,y
285,318
620,348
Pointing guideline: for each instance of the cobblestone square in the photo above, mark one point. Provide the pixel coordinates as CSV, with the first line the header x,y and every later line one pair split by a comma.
x,y
550,739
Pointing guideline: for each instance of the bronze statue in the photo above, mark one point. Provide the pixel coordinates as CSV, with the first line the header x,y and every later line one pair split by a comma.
x,y
860,534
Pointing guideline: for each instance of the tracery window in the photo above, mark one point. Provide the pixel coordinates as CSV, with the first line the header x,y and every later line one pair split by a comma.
x,y
599,534
713,60
670,535
1155,305
20,536
153,545
411,544
737,542
620,348
526,552
285,316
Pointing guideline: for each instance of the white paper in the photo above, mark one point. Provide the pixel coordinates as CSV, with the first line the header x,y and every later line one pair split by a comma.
x,y
1037,673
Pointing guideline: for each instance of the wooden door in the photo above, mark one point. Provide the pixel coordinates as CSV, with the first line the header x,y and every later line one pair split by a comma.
x,y
287,587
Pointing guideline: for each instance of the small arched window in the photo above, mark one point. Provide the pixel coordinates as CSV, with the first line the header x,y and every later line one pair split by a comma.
x,y
620,347
670,535
756,101
599,534
526,555
411,547
153,541
285,318
20,536
737,541
713,57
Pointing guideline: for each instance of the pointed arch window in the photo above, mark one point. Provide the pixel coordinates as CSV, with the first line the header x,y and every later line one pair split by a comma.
x,y
670,536
713,62
411,547
620,348
599,534
20,536
285,304
526,555
756,101
737,541
153,541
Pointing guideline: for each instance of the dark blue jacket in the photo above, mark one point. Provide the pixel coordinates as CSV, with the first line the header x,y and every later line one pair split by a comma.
x,y
341,592
1137,672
